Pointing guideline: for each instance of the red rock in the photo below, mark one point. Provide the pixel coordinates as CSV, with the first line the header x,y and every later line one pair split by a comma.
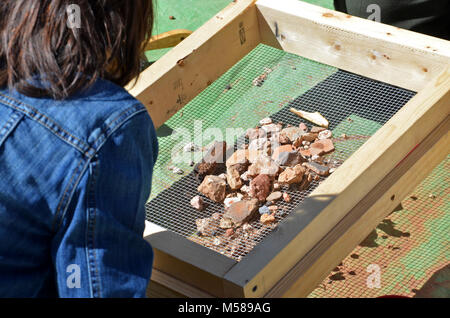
x,y
321,147
292,133
263,165
242,211
240,156
260,187
234,178
292,175
229,232
267,219
214,188
303,127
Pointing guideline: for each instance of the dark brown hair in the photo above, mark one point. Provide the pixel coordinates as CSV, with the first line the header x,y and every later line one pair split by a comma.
x,y
37,42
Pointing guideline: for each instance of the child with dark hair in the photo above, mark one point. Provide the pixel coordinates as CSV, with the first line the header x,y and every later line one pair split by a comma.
x,y
76,150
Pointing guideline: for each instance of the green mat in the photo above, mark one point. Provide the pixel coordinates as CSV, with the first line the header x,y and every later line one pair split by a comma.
x,y
233,101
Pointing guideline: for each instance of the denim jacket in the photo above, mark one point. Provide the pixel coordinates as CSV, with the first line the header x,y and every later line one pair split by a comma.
x,y
74,178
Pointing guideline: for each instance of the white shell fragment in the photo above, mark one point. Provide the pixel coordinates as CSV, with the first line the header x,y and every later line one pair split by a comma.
x,y
315,118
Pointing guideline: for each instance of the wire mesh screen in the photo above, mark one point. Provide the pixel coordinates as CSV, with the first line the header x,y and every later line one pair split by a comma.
x,y
265,83
409,249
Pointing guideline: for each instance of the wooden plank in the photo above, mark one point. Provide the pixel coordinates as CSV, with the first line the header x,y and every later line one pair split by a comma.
x,y
181,74
165,286
338,243
349,184
378,51
167,39
184,260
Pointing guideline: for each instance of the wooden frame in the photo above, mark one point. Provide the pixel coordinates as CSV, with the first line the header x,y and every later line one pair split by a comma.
x,y
339,213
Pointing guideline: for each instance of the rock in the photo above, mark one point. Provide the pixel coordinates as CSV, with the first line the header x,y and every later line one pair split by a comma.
x,y
223,176
234,178
306,137
260,187
265,121
267,219
274,196
255,133
276,186
321,147
318,168
247,227
225,223
257,144
206,226
245,189
217,153
317,130
292,175
244,176
286,197
197,203
326,134
191,147
177,170
241,212
213,187
273,208
240,156
290,159
229,232
229,201
292,133
263,165
303,127
271,128
264,210
216,216
202,169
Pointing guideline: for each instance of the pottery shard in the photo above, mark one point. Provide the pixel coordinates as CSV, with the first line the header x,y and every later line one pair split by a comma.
x,y
318,168
206,226
214,188
292,133
263,165
234,177
241,212
292,175
260,187
197,203
274,196
321,147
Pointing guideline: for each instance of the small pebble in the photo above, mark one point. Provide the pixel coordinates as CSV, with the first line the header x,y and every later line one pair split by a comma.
x,y
247,227
325,134
432,196
315,157
276,186
217,242
273,208
265,121
191,163
191,147
286,197
177,170
229,232
344,136
267,219
264,210
171,17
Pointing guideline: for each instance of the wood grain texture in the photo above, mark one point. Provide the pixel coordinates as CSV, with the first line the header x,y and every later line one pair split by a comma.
x,y
180,75
392,55
349,184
